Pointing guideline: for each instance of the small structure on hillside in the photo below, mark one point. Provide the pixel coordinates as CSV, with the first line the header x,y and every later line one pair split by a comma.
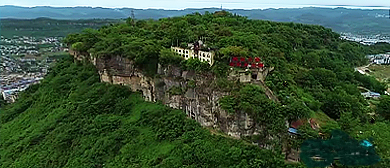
x,y
379,58
293,131
194,52
370,94
313,123
250,69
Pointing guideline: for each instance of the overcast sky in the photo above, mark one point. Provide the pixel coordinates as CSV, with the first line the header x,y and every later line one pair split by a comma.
x,y
181,4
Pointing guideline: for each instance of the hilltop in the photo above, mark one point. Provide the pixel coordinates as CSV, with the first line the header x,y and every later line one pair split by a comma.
x,y
310,73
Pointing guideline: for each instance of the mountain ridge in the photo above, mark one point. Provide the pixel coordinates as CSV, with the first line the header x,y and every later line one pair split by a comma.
x,y
358,21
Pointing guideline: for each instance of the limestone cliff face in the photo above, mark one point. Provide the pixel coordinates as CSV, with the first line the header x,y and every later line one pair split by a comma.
x,y
198,98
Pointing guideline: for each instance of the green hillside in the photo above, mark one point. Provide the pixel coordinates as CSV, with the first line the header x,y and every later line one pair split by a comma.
x,y
72,120
313,73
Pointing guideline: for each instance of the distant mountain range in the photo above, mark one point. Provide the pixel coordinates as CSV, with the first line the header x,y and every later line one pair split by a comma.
x,y
359,21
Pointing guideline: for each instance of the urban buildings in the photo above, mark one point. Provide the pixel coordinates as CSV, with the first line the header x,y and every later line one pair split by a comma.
x,y
12,84
379,58
24,61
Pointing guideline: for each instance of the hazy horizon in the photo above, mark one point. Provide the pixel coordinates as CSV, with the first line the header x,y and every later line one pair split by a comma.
x,y
179,5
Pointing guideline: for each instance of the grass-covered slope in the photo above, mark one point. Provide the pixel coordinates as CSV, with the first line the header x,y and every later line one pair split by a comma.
x,y
72,120
313,74
313,66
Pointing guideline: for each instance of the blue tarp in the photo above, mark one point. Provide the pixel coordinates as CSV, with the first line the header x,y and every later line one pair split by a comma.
x,y
293,130
366,143
374,94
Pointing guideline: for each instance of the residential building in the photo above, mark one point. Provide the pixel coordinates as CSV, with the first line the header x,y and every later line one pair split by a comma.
x,y
203,56
380,58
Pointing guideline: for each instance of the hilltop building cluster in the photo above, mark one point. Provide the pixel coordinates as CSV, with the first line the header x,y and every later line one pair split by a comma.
x,y
249,68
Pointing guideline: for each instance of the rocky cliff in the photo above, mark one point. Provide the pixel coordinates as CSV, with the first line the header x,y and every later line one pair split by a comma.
x,y
193,93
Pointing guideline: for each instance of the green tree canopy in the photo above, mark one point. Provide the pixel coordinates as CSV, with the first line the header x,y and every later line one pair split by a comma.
x,y
383,108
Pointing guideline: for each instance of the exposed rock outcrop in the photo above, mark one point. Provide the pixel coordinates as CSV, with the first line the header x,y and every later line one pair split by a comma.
x,y
198,99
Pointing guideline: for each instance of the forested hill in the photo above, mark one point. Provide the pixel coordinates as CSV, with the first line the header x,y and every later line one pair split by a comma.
x,y
72,120
340,19
314,69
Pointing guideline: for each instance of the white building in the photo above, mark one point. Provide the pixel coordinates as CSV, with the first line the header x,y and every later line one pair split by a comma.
x,y
370,94
189,53
380,58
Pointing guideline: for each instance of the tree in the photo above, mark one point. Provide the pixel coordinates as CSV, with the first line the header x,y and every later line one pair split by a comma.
x,y
379,134
196,65
236,51
383,108
338,101
2,102
311,60
79,46
348,122
168,57
297,110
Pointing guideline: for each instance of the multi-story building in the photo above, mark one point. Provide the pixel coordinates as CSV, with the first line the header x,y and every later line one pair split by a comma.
x,y
189,53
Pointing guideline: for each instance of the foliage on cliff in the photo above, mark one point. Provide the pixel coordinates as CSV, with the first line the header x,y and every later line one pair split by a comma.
x,y
274,42
73,120
313,73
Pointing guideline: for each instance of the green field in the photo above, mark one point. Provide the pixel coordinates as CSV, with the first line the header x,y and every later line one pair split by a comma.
x,y
44,27
381,72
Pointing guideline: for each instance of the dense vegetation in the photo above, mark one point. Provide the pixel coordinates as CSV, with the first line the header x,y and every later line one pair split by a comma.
x,y
313,78
313,67
72,120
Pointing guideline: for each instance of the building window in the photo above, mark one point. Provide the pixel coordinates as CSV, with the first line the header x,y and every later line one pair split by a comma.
x,y
187,52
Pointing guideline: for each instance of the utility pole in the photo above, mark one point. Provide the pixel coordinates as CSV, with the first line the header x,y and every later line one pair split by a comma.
x,y
132,17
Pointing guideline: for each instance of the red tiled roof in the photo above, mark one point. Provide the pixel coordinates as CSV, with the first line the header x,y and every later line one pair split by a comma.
x,y
298,123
